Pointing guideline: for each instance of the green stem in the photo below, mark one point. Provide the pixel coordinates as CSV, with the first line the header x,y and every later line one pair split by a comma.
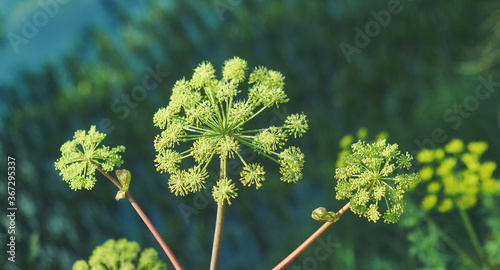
x,y
255,146
197,129
472,234
315,235
219,223
249,118
146,220
452,244
309,240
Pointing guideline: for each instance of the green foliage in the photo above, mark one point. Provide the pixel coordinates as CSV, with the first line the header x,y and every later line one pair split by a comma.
x,y
208,113
81,157
456,177
492,241
487,52
427,240
121,255
438,240
366,176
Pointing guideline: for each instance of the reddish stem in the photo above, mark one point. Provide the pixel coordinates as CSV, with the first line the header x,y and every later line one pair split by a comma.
x,y
309,240
146,220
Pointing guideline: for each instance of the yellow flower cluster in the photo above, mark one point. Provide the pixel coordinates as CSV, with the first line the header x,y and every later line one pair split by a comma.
x,y
455,177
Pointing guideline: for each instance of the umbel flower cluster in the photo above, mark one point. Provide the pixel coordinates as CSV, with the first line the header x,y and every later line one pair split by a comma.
x,y
456,177
368,177
121,254
81,157
208,114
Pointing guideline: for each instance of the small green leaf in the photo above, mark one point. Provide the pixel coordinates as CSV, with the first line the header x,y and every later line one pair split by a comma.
x,y
124,177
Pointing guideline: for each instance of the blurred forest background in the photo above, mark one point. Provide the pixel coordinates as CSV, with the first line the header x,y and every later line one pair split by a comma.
x,y
86,56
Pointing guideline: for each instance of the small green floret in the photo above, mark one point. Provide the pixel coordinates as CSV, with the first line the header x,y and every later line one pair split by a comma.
x,y
370,174
292,162
296,124
121,254
253,174
224,190
81,157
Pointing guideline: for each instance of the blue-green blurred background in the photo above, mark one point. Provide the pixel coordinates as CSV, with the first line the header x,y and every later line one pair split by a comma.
x,y
67,65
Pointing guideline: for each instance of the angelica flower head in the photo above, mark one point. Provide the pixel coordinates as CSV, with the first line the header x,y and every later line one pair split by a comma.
x,y
209,115
370,175
81,157
121,254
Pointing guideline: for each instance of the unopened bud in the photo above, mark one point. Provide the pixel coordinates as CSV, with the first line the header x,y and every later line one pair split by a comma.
x,y
124,177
